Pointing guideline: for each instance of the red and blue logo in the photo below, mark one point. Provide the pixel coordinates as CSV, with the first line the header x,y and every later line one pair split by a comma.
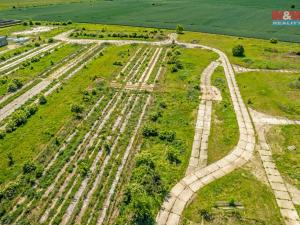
x,y
286,18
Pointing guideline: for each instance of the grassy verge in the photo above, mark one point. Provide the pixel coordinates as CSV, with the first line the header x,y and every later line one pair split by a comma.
x,y
224,128
168,134
287,161
240,186
27,141
258,53
277,94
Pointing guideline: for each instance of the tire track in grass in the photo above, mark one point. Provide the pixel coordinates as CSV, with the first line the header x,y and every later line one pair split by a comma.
x,y
145,76
139,64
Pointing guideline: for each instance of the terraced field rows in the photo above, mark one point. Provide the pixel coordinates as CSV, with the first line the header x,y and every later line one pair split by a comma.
x,y
83,188
15,104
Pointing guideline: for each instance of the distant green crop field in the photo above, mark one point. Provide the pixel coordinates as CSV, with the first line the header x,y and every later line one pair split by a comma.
x,y
249,18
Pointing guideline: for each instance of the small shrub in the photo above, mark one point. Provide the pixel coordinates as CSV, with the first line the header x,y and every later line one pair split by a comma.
x,y
150,132
179,29
173,156
206,215
273,41
42,100
28,167
76,108
2,134
167,136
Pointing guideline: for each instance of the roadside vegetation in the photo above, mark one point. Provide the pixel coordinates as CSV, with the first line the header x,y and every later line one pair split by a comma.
x,y
287,160
258,53
236,199
224,128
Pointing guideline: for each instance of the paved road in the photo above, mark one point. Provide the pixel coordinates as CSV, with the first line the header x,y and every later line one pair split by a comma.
x,y
182,193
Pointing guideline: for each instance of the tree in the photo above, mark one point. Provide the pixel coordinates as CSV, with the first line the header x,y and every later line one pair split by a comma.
x,y
179,29
238,51
273,41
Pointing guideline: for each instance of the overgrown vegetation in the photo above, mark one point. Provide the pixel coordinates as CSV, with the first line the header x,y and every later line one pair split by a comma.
x,y
224,128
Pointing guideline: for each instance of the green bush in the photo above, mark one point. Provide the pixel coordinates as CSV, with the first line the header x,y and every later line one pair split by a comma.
x,y
238,51
273,40
29,167
150,132
42,100
76,108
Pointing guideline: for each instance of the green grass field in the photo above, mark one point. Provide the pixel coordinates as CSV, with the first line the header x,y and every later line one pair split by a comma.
x,y
224,128
240,186
271,93
254,17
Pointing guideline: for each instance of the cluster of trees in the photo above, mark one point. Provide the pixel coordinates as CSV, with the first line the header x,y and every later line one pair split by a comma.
x,y
114,35
141,194
174,60
238,51
20,117
14,85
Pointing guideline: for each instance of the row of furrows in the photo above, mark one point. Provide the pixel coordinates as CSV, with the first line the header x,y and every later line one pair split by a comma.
x,y
93,158
131,65
153,77
66,142
143,66
43,54
66,153
138,66
22,54
99,186
71,197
